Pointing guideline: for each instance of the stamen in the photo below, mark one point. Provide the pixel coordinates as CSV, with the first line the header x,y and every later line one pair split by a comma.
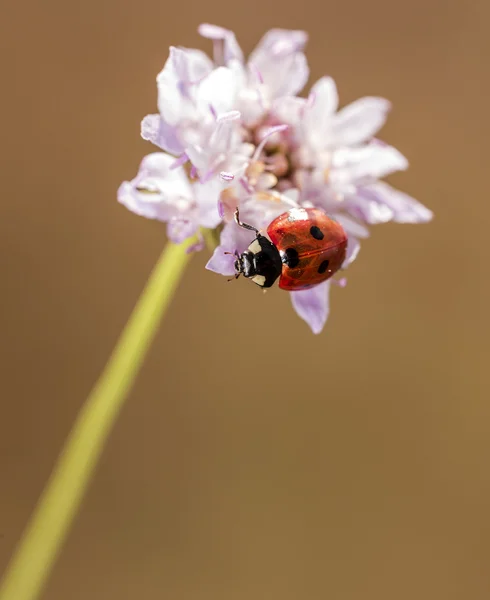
x,y
232,115
207,176
219,52
256,72
267,134
213,111
193,173
182,159
147,188
226,176
261,99
247,187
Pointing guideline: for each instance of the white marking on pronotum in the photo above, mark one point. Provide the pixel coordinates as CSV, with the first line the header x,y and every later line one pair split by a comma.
x,y
259,279
255,247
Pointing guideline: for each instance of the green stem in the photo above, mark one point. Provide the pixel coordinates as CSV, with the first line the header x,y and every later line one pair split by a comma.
x,y
62,496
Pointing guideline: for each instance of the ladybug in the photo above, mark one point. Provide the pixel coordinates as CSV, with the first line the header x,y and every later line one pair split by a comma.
x,y
305,248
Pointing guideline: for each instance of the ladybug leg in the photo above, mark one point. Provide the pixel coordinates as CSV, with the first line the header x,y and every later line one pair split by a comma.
x,y
244,225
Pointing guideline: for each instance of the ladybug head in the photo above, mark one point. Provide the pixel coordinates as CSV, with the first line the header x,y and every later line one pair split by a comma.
x,y
239,265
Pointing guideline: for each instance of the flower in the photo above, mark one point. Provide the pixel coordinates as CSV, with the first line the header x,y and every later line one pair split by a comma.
x,y
234,133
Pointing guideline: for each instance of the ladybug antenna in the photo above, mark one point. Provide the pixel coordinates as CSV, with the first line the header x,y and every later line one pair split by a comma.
x,y
244,225
237,255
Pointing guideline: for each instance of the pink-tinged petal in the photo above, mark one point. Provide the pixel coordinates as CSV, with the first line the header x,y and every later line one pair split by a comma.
x,y
325,95
405,209
373,160
198,245
221,151
151,208
352,227
231,48
156,131
175,82
289,109
233,239
320,108
261,208
190,65
157,192
207,196
359,121
281,63
318,115
218,90
180,228
313,305
278,42
367,209
170,91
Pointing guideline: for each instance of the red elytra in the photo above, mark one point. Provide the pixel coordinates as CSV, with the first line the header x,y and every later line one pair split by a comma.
x,y
311,244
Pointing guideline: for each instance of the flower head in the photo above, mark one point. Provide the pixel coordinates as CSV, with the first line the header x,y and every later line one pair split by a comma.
x,y
235,134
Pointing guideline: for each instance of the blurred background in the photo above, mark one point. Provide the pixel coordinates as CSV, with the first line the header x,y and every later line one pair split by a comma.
x,y
253,459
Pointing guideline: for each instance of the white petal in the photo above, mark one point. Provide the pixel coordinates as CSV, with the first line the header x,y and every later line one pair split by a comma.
x,y
313,305
368,209
218,90
157,192
176,81
219,150
277,42
322,104
179,229
173,181
261,208
359,121
207,196
232,50
373,160
190,65
316,126
151,208
155,130
351,227
289,109
405,209
169,93
281,63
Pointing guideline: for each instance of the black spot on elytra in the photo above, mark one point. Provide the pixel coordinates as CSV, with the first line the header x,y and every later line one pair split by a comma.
x,y
291,258
324,266
316,232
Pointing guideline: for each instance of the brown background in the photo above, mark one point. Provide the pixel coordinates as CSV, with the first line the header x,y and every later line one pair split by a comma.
x,y
252,460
